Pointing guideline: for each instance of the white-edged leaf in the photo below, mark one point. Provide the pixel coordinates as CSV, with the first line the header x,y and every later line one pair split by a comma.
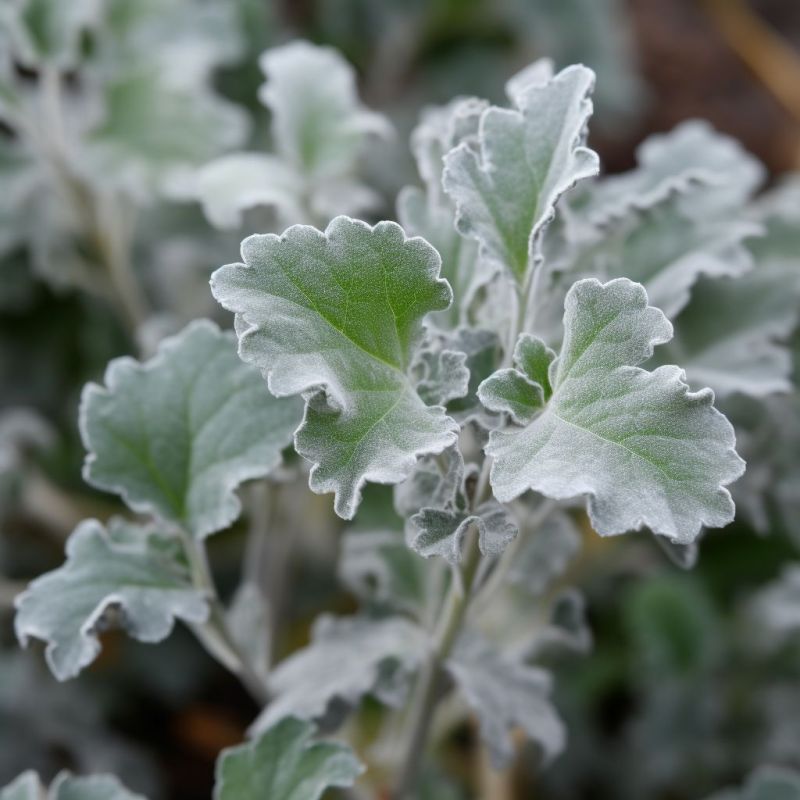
x,y
318,122
537,73
347,659
177,435
125,574
506,695
284,763
337,316
434,483
506,192
441,375
643,448
438,532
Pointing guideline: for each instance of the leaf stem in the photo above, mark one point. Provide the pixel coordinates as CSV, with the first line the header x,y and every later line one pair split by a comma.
x,y
215,634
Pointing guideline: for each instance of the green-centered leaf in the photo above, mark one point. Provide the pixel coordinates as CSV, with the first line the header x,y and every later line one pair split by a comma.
x,y
337,316
642,447
125,576
506,192
284,763
177,435
318,122
348,658
766,783
521,391
506,695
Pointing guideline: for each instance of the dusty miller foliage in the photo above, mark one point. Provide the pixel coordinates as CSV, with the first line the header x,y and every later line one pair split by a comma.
x,y
530,350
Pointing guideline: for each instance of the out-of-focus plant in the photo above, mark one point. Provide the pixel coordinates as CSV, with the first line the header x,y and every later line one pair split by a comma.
x,y
503,357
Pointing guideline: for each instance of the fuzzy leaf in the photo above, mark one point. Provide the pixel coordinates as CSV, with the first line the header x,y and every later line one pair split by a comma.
x,y
430,213
506,193
437,532
371,657
26,787
643,448
284,763
337,317
318,122
177,435
506,695
442,375
522,391
126,575
738,348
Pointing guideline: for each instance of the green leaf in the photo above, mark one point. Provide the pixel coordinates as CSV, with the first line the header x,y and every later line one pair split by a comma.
x,y
441,374
177,435
766,783
284,763
370,657
521,392
506,192
506,695
437,532
126,575
337,316
318,122
644,449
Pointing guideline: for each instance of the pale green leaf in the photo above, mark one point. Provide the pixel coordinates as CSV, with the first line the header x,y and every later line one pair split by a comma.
x,y
739,348
537,73
506,695
434,483
26,787
506,192
777,606
438,532
284,763
567,630
666,246
523,390
67,787
127,576
546,553
177,435
370,657
318,122
337,317
238,182
441,375
379,568
430,213
90,787
644,449
156,130
766,783
690,153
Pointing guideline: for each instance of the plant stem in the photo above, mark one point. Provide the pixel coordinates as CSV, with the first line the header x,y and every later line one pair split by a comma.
x,y
215,634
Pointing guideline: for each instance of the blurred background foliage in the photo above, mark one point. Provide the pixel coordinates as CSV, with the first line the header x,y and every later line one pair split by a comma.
x,y
694,678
